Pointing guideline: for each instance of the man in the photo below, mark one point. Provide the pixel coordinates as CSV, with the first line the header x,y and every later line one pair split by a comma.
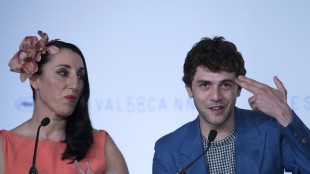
x,y
268,139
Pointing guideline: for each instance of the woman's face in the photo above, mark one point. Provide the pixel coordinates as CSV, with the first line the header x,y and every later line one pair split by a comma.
x,y
59,87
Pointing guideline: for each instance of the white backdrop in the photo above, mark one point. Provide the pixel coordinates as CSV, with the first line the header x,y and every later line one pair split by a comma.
x,y
135,52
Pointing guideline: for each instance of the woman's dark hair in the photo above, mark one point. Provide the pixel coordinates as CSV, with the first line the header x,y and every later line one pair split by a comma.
x,y
79,131
215,54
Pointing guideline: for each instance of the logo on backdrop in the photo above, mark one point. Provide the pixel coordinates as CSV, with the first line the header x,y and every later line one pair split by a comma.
x,y
298,103
24,104
130,104
143,104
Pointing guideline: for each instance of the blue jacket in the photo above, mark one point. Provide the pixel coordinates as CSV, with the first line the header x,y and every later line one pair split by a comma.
x,y
262,146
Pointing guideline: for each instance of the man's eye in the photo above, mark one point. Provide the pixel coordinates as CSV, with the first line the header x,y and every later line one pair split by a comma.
x,y
204,85
226,85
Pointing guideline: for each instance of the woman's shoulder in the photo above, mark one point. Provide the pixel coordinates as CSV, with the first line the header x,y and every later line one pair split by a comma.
x,y
103,136
116,161
99,132
1,135
3,132
2,169
100,136
18,132
21,130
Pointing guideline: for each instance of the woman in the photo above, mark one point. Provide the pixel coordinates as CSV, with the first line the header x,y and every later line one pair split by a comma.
x,y
68,144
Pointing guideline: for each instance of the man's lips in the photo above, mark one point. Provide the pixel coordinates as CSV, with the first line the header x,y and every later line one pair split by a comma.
x,y
216,107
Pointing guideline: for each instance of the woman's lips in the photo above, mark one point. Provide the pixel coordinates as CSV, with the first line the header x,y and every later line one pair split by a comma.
x,y
70,98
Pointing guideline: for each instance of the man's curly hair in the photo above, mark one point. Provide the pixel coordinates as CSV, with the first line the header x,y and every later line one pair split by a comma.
x,y
216,54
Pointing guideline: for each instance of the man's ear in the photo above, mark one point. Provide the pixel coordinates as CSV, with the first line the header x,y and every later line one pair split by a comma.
x,y
189,91
34,81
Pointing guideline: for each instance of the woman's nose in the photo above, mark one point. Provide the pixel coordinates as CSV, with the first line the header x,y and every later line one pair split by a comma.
x,y
73,82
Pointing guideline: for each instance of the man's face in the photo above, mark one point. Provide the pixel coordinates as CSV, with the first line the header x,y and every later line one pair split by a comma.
x,y
214,95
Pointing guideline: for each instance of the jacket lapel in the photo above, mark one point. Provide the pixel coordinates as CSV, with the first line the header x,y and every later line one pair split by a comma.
x,y
250,143
190,149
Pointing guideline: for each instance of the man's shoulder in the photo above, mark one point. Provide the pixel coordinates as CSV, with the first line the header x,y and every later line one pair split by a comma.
x,y
250,115
250,118
177,135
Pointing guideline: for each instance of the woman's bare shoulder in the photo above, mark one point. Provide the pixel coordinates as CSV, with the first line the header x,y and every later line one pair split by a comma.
x,y
24,130
115,160
2,169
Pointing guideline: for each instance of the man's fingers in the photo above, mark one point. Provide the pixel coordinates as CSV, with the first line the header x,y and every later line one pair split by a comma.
x,y
247,83
252,103
252,99
280,85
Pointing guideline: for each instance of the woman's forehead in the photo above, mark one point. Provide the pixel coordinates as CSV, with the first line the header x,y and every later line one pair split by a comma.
x,y
67,57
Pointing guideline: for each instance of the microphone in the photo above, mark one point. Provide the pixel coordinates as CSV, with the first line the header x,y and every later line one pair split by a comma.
x,y
211,137
33,169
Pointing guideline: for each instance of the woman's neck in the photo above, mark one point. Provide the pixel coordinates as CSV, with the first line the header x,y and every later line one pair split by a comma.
x,y
54,131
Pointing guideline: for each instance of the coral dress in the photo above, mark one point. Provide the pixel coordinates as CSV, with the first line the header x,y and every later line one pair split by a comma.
x,y
18,154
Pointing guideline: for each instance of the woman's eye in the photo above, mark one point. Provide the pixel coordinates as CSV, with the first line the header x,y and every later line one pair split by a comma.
x,y
81,76
62,73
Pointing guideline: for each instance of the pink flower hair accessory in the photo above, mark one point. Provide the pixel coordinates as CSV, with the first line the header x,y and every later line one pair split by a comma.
x,y
30,51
